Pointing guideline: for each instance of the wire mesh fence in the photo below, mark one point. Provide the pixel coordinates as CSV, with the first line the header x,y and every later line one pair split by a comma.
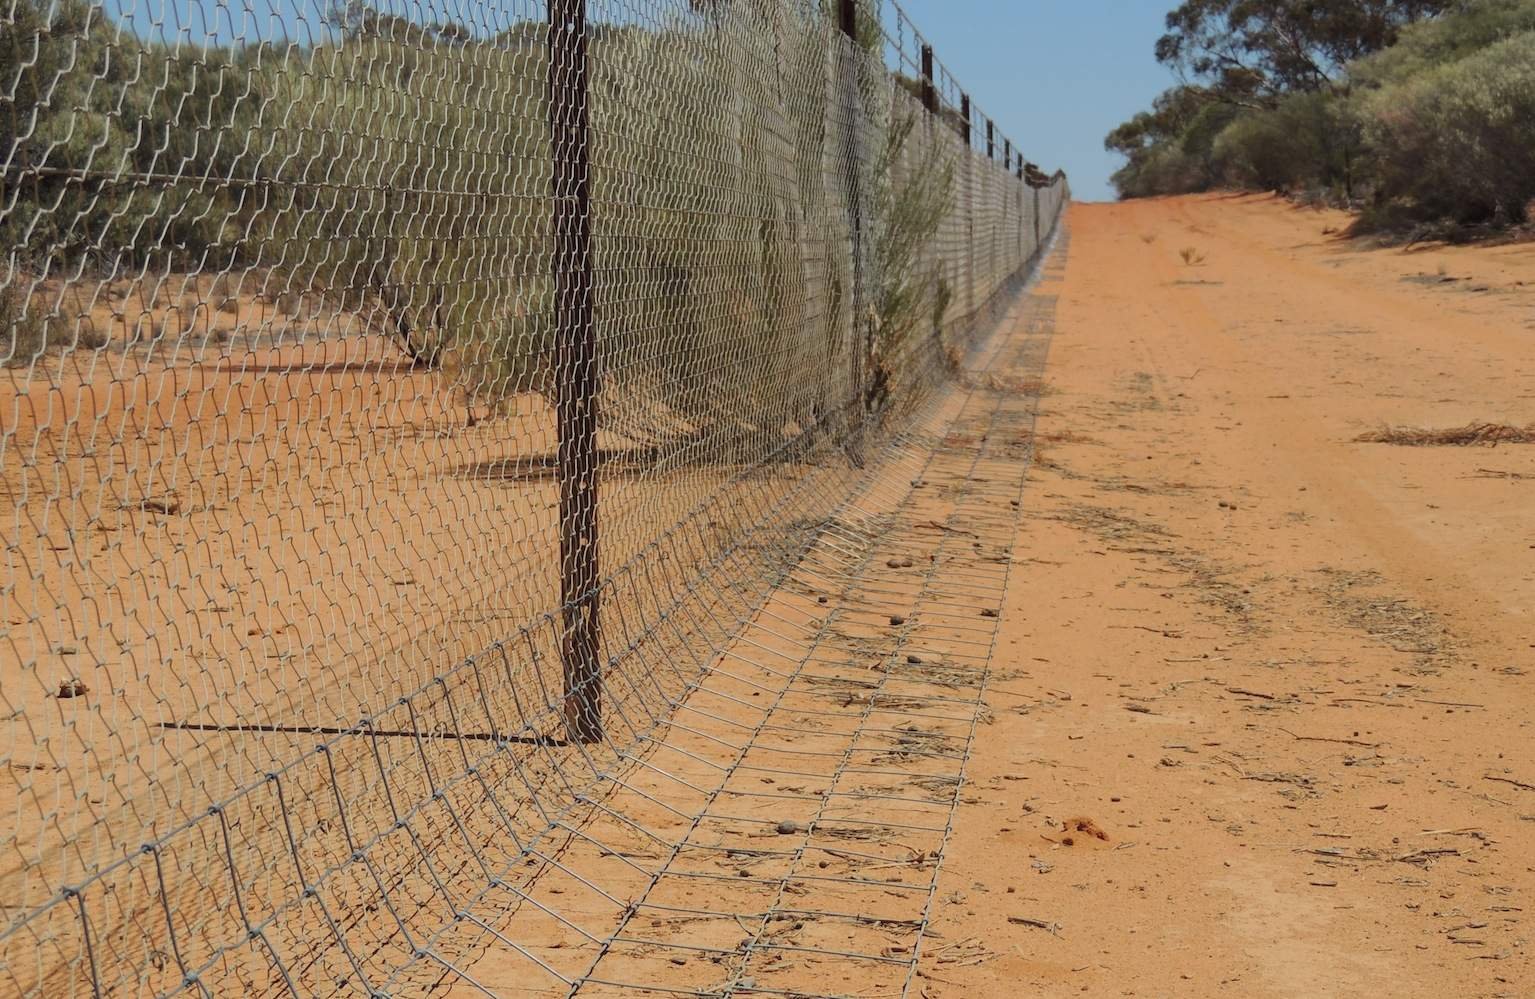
x,y
403,408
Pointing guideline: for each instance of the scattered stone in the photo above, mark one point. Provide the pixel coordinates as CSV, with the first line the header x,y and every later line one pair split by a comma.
x,y
1085,826
788,828
168,505
897,619
72,688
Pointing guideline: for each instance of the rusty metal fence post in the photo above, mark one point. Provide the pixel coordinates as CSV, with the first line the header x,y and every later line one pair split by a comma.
x,y
929,92
1017,197
1039,237
1023,189
861,330
968,163
575,368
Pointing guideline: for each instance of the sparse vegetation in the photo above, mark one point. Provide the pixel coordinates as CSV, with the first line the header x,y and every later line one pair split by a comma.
x,y
337,202
1191,256
27,333
914,183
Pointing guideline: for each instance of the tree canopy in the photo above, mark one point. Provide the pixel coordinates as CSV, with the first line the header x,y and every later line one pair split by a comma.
x,y
1256,51
1415,113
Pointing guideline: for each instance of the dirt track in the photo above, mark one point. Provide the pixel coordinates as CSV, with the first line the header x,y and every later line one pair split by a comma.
x,y
1287,674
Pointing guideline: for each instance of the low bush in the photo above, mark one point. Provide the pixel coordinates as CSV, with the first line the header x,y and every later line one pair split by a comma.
x,y
25,334
1422,47
1310,142
1167,169
1457,142
29,327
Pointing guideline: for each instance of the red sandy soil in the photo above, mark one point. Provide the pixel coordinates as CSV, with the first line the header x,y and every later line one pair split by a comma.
x,y
1257,723
1289,675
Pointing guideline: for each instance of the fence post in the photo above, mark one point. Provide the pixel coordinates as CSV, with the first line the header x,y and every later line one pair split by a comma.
x,y
1017,203
969,196
1023,189
929,92
848,16
1039,238
991,142
860,328
1018,190
575,368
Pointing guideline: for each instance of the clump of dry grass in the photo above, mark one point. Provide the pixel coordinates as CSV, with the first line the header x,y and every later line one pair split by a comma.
x,y
1013,385
1487,434
1191,256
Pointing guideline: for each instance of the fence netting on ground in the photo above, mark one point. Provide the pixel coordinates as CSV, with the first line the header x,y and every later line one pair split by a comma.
x,y
402,405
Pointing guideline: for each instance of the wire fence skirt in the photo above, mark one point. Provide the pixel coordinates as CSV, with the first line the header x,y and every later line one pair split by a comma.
x,y
404,407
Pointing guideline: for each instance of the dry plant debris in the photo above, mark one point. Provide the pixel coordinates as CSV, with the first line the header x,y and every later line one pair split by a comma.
x,y
1484,434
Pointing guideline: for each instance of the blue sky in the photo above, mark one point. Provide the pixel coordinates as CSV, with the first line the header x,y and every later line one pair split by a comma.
x,y
1056,75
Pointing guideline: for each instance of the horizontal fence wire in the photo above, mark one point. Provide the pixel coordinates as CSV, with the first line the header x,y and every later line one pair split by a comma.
x,y
403,409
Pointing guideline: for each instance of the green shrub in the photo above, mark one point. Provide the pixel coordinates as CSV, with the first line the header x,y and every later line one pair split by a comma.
x,y
1199,138
1164,169
29,327
26,333
1427,44
913,181
1458,142
1307,143
392,177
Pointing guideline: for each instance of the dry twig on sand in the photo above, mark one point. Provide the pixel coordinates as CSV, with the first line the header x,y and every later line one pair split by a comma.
x,y
1054,929
1489,434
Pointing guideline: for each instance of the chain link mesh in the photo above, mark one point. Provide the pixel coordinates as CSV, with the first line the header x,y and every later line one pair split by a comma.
x,y
292,445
